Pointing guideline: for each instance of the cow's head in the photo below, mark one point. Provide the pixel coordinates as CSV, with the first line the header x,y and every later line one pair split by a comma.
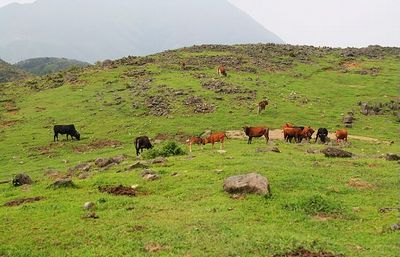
x,y
246,129
77,135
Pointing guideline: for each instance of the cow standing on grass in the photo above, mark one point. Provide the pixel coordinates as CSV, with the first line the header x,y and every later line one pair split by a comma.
x,y
195,140
322,134
69,130
216,137
142,142
341,135
222,71
262,105
256,132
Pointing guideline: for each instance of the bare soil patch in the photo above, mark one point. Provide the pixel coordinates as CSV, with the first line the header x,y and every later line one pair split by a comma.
x,y
118,190
23,201
97,145
301,252
359,184
8,123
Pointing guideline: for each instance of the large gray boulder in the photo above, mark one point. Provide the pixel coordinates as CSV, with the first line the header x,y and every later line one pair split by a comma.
x,y
249,183
336,152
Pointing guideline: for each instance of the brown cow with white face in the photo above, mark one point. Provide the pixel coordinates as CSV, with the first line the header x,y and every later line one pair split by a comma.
x,y
341,135
195,140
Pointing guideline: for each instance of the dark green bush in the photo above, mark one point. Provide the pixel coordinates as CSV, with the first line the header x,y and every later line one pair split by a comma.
x,y
169,148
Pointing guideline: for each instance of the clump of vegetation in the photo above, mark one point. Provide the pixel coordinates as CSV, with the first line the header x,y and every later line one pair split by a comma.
x,y
170,148
317,204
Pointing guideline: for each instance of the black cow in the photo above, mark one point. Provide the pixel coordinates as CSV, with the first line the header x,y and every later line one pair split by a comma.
x,y
322,134
141,143
66,129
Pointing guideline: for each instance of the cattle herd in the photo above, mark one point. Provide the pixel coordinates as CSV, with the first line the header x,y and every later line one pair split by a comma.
x,y
290,132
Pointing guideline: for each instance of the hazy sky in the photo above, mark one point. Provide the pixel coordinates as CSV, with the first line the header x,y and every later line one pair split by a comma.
x,y
323,22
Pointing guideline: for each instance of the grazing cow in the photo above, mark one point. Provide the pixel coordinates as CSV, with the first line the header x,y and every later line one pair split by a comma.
x,y
222,71
195,140
322,134
66,129
256,132
306,133
141,143
262,105
341,135
293,132
215,137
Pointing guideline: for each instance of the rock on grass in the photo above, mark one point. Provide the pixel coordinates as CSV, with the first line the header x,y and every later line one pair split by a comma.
x,y
336,152
22,179
249,183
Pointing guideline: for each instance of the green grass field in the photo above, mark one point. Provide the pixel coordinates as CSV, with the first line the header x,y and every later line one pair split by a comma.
x,y
189,214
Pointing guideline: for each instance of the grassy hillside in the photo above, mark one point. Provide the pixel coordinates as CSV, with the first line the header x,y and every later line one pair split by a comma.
x,y
186,212
47,65
10,73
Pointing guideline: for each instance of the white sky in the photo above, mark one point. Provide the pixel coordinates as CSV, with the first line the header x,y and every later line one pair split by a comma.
x,y
323,22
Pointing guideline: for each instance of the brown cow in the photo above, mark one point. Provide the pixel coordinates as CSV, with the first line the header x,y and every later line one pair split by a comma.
x,y
222,71
262,105
256,132
290,133
183,65
341,135
216,137
306,134
195,140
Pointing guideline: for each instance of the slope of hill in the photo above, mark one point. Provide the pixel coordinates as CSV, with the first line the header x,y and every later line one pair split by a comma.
x,y
47,65
323,205
10,73
120,28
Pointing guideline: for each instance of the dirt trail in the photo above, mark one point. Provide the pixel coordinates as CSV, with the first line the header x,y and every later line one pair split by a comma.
x,y
277,134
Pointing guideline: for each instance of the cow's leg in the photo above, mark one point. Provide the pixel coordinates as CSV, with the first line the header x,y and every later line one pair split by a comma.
x,y
249,140
55,136
190,147
266,135
212,147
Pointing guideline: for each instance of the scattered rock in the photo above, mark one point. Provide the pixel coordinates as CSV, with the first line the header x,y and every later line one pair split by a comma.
x,y
81,167
23,201
336,152
118,190
149,175
91,215
103,162
312,151
221,151
63,183
158,160
392,157
395,227
89,205
388,209
269,149
137,165
248,183
22,179
199,105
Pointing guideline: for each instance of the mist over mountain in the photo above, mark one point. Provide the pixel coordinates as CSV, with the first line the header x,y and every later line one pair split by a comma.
x,y
91,30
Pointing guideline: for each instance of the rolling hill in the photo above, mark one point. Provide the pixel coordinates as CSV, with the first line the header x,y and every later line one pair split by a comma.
x,y
64,28
10,73
319,206
47,65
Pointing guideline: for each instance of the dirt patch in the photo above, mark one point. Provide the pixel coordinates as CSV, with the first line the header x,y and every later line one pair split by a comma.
x,y
23,201
222,87
118,190
8,123
359,184
10,107
301,252
97,145
350,65
323,217
153,247
199,105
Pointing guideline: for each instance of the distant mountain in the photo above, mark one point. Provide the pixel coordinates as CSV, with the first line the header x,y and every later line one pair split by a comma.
x,y
10,73
92,30
47,65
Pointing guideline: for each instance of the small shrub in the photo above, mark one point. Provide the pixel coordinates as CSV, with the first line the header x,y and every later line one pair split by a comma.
x,y
316,204
170,148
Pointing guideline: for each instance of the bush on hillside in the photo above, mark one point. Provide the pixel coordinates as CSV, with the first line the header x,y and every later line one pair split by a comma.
x,y
170,148
317,204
